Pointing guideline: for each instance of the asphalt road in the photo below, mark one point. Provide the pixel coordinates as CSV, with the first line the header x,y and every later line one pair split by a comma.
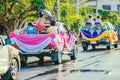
x,y
98,64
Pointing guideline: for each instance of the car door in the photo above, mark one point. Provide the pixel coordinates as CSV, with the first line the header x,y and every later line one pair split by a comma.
x,y
68,38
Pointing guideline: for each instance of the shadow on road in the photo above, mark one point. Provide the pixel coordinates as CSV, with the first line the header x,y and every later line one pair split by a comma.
x,y
94,50
99,49
46,63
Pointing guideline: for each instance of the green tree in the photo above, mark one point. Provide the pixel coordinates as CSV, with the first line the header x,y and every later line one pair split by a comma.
x,y
37,3
13,13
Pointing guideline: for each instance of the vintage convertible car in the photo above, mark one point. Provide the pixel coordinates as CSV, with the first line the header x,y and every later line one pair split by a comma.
x,y
61,41
9,61
99,34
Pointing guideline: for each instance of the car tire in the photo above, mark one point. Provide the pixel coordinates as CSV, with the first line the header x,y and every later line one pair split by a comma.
x,y
74,54
24,61
41,61
108,45
11,74
116,45
85,46
93,46
57,57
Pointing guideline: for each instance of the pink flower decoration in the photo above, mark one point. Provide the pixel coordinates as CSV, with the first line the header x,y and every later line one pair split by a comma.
x,y
62,33
52,35
12,34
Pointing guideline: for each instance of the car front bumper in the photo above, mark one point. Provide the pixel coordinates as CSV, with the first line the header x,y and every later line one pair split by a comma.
x,y
103,41
3,67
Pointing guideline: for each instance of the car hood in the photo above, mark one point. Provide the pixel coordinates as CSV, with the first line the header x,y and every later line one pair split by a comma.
x,y
4,59
4,53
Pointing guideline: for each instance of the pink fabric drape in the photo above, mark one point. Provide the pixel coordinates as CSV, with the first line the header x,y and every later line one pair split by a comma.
x,y
31,39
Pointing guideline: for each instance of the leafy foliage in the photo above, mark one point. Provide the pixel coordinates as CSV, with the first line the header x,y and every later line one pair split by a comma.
x,y
75,22
37,3
14,13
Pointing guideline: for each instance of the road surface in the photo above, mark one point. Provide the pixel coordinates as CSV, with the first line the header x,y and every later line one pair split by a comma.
x,y
98,64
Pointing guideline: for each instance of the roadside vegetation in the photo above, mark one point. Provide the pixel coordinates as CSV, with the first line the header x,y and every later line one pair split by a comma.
x,y
14,13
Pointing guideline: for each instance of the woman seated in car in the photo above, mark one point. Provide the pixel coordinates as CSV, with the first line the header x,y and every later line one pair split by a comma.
x,y
30,29
90,22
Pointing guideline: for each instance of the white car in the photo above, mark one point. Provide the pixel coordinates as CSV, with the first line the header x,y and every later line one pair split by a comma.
x,y
9,61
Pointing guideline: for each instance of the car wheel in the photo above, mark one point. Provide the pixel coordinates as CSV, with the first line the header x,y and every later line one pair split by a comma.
x,y
85,46
115,45
24,61
74,54
93,46
13,69
11,74
108,45
41,61
57,57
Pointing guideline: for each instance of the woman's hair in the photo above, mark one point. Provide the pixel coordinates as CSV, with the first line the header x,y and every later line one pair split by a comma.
x,y
30,23
40,14
52,23
98,16
90,16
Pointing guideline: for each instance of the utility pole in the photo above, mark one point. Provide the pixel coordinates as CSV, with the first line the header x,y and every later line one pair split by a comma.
x,y
77,7
58,10
96,7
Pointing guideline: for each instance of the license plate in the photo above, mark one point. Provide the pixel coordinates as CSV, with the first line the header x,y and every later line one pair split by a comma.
x,y
93,42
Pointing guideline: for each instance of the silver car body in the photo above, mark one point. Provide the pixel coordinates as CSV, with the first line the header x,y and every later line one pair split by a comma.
x,y
7,53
